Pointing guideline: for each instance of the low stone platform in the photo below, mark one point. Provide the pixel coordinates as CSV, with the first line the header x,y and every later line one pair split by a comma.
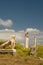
x,y
4,51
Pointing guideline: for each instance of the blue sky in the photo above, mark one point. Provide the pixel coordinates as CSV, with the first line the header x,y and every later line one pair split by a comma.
x,y
18,16
23,13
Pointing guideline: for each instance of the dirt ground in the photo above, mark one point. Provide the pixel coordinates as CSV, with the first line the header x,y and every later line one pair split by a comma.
x,y
17,60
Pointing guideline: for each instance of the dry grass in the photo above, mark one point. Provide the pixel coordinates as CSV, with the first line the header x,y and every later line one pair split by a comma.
x,y
8,59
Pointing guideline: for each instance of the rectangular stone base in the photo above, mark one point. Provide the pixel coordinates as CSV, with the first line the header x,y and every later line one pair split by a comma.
x,y
4,51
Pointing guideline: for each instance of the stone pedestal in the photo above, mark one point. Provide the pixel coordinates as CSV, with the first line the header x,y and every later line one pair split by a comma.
x,y
14,52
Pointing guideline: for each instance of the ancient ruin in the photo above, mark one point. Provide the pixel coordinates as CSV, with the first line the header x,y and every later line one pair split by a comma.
x,y
11,42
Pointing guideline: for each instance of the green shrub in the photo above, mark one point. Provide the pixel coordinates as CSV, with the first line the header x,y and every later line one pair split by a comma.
x,y
26,51
40,51
8,47
1,42
21,50
19,46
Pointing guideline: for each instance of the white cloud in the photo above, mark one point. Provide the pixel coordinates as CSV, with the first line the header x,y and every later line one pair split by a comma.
x,y
6,23
7,33
32,30
19,36
21,31
9,30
